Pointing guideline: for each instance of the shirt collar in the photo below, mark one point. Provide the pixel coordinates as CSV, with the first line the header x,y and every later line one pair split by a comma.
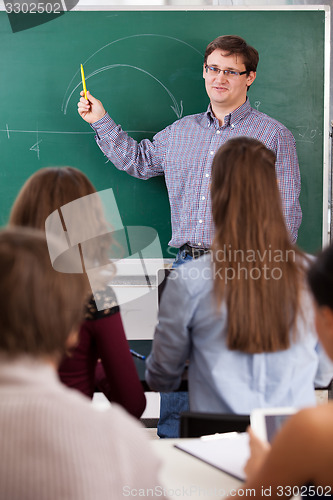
x,y
233,117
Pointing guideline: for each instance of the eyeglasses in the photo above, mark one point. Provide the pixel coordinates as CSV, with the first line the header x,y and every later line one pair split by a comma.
x,y
229,73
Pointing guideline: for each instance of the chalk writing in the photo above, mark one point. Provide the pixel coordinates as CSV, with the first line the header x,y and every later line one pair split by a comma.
x,y
306,134
35,147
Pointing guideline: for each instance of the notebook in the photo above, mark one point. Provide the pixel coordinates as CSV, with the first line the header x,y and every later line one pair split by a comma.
x,y
228,452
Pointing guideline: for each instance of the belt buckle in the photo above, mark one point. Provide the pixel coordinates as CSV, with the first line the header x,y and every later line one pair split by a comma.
x,y
196,252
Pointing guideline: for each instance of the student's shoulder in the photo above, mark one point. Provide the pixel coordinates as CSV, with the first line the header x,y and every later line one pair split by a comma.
x,y
319,419
316,424
82,411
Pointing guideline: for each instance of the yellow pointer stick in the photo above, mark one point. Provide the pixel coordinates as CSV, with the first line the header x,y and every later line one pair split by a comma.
x,y
84,83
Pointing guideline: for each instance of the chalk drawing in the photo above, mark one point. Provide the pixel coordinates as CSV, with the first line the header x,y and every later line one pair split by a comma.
x,y
178,109
141,35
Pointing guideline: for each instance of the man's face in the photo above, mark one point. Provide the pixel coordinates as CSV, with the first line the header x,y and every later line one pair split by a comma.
x,y
227,91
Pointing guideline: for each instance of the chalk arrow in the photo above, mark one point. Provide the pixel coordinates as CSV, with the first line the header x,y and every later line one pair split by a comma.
x,y
176,108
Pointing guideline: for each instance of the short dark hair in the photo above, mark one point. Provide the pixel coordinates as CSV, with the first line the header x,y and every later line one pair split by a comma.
x,y
233,44
39,306
320,278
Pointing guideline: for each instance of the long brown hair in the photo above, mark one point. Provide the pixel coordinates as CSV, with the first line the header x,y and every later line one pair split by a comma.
x,y
50,189
257,269
47,190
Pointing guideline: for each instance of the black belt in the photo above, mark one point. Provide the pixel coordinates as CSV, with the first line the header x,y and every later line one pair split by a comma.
x,y
194,252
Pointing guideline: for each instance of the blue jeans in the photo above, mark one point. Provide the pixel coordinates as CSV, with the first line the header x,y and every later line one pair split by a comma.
x,y
173,403
181,258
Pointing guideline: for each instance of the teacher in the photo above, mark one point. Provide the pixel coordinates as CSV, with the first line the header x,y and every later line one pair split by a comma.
x,y
183,152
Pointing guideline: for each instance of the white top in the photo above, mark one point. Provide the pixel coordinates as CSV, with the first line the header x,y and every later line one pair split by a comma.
x,y
221,380
56,446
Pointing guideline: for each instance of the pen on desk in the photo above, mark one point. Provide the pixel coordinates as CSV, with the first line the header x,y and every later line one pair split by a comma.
x,y
137,355
83,83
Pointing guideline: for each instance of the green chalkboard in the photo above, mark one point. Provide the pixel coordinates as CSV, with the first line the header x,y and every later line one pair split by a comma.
x,y
146,67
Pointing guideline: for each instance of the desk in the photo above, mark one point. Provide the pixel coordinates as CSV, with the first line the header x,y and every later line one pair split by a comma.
x,y
185,476
144,347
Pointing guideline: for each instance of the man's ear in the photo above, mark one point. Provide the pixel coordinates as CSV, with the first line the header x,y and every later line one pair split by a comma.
x,y
250,78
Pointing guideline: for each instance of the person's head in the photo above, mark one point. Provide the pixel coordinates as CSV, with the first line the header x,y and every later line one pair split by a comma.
x,y
48,190
233,45
67,193
252,247
320,279
40,307
229,53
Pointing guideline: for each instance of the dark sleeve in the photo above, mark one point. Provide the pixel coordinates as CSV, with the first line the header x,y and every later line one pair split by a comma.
x,y
116,374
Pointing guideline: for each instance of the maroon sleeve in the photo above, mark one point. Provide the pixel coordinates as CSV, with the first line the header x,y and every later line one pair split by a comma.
x,y
119,380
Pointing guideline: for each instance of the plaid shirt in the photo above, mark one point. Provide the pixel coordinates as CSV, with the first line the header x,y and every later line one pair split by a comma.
x,y
183,153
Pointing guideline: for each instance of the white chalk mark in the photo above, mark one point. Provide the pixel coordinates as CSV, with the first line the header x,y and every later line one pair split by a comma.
x,y
35,147
42,131
257,105
178,110
306,134
7,131
77,73
72,133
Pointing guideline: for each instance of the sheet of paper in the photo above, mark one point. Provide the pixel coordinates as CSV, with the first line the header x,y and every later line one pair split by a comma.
x,y
228,452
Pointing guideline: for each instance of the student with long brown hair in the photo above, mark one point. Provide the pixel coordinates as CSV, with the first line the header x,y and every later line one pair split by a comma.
x,y
101,358
241,315
54,443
